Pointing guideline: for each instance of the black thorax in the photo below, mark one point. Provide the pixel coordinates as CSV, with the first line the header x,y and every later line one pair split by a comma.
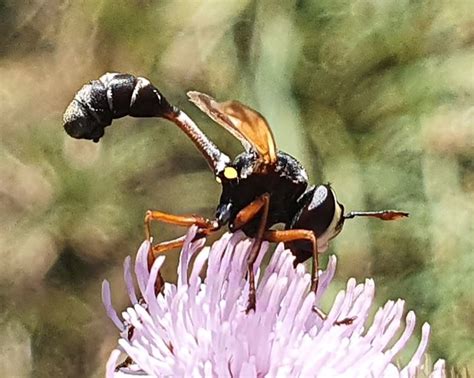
x,y
285,183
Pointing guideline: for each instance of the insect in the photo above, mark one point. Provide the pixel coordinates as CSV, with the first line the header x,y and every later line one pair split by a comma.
x,y
261,187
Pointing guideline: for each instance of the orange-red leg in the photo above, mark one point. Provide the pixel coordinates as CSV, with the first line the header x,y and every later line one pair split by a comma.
x,y
299,234
259,206
205,225
293,235
178,220
168,245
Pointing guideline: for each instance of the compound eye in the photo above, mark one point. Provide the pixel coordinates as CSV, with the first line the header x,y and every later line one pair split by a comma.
x,y
321,198
321,209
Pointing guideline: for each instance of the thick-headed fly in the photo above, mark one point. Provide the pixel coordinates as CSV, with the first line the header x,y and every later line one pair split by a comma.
x,y
260,187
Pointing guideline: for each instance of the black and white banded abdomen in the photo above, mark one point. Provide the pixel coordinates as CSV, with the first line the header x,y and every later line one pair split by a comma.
x,y
112,96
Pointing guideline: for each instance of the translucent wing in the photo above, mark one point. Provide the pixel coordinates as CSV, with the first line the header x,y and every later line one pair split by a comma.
x,y
244,123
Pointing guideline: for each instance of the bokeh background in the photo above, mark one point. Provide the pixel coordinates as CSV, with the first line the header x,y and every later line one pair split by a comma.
x,y
374,96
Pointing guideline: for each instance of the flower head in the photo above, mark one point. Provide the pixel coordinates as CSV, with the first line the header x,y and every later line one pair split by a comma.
x,y
200,328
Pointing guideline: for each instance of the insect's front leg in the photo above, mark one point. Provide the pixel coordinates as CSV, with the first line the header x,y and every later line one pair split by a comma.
x,y
259,206
286,236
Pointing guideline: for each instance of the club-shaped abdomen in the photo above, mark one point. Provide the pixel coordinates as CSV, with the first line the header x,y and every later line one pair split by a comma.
x,y
113,96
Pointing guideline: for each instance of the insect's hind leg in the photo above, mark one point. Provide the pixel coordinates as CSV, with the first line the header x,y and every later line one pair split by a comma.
x,y
178,220
205,226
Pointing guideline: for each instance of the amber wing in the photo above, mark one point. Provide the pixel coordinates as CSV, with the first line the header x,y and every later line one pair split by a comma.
x,y
246,124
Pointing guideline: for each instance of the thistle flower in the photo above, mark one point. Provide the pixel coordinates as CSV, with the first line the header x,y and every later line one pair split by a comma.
x,y
200,328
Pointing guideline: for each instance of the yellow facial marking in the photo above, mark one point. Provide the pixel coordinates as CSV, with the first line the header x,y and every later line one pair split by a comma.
x,y
230,173
218,179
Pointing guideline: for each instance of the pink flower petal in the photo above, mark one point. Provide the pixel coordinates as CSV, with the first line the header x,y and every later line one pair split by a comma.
x,y
109,309
200,328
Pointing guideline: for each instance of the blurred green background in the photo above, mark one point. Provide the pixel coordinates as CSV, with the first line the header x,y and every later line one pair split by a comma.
x,y
374,96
